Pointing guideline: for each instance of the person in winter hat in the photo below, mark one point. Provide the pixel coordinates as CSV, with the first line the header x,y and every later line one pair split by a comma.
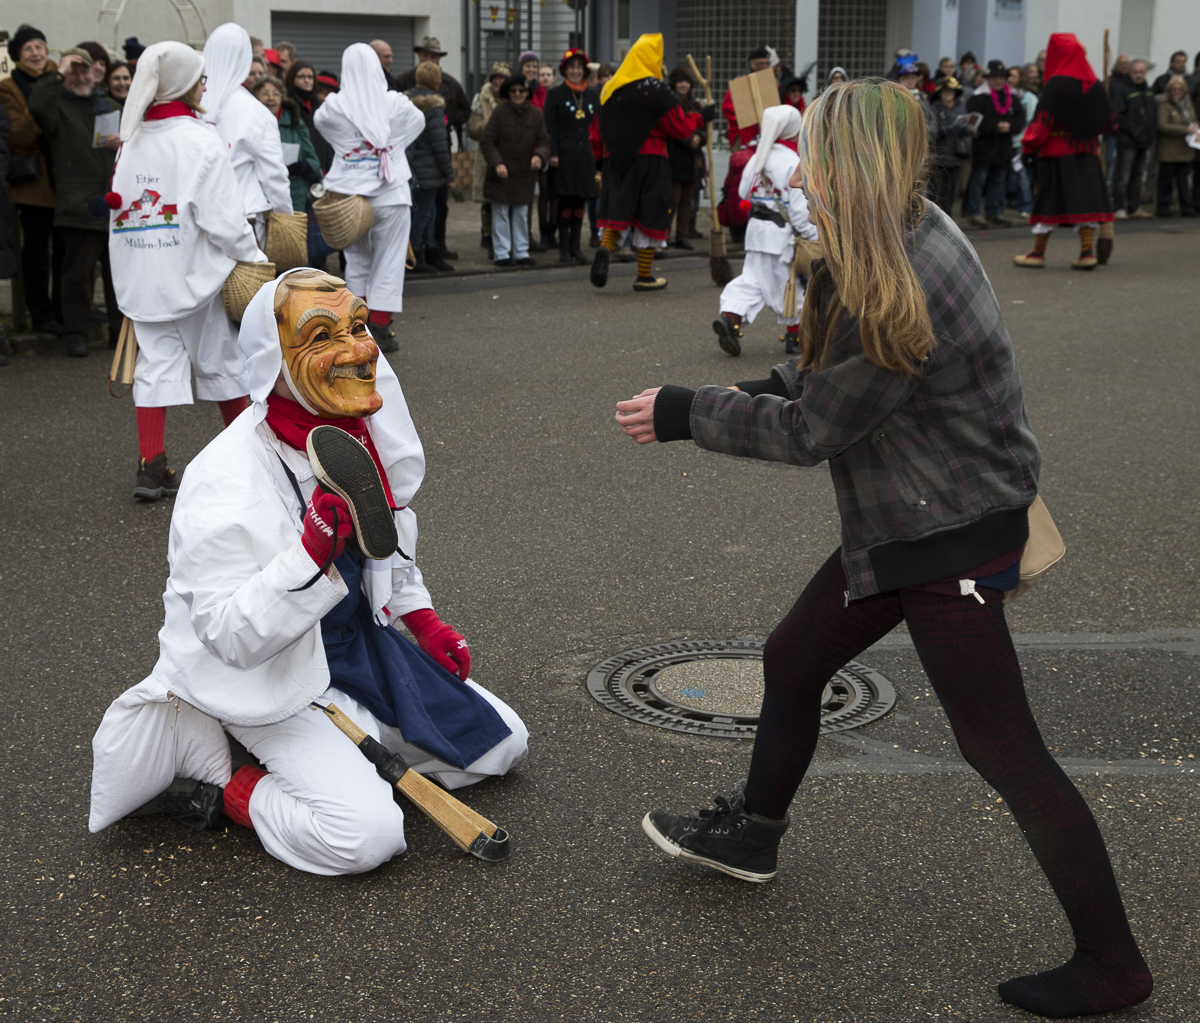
x,y
778,223
269,608
176,232
370,128
429,160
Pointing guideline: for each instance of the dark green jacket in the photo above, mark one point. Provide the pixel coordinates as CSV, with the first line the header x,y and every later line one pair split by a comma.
x,y
81,173
293,129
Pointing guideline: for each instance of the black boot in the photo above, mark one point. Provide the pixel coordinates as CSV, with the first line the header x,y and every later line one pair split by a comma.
x,y
421,267
564,246
576,232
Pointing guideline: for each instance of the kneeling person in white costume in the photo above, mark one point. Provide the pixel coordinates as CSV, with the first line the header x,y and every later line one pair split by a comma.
x,y
778,217
177,231
369,129
248,129
270,605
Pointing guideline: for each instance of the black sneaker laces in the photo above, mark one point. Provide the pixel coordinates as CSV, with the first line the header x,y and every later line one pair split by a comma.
x,y
328,561
723,811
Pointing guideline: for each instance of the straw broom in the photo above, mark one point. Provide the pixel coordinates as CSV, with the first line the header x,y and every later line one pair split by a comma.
x,y
718,262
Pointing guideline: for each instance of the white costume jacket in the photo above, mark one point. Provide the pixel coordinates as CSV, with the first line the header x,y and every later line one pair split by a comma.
x,y
355,169
764,190
237,645
180,227
251,133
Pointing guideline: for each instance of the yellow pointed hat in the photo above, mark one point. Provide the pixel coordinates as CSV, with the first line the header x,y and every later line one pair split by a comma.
x,y
644,60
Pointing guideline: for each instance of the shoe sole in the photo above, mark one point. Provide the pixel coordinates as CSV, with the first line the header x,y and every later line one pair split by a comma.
x,y
345,467
671,849
657,285
726,339
599,274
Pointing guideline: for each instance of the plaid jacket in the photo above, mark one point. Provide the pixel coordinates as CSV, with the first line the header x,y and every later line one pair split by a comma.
x,y
933,474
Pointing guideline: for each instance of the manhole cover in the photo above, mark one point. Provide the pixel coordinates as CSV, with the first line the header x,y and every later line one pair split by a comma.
x,y
714,687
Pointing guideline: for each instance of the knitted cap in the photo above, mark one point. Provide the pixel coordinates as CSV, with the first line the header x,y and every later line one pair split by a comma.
x,y
23,35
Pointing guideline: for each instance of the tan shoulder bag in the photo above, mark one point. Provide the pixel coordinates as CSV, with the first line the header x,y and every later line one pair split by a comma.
x,y
1043,550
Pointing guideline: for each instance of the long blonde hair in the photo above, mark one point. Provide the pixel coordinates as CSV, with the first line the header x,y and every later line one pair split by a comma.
x,y
862,153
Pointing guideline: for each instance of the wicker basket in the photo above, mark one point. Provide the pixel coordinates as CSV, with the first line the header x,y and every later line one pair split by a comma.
x,y
343,219
287,240
242,284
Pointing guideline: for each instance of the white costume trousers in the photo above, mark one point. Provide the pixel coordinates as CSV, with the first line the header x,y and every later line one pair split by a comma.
x,y
761,283
375,263
205,341
323,808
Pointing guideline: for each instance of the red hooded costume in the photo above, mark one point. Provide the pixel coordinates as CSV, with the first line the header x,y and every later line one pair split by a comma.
x,y
1072,111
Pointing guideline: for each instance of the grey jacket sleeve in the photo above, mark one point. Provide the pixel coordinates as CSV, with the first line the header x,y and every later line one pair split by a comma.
x,y
832,410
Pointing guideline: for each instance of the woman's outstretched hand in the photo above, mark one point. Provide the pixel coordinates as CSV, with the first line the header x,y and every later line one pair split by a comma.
x,y
636,416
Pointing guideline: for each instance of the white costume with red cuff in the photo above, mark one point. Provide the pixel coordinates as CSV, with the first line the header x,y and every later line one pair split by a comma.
x,y
769,246
177,232
369,129
242,648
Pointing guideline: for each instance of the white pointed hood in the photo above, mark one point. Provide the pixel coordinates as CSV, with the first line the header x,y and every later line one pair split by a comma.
x,y
227,56
165,71
363,99
779,122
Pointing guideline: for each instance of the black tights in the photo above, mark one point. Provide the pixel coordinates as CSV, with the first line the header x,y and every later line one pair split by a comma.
x,y
969,657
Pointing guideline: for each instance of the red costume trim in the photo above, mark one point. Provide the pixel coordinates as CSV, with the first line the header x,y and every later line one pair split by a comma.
x,y
175,108
1063,219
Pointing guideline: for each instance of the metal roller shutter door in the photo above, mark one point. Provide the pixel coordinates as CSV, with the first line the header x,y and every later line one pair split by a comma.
x,y
322,38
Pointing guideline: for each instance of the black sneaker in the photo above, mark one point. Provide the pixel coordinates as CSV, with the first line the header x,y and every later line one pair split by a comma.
x,y
599,275
727,838
445,253
76,346
196,804
729,335
345,467
155,479
385,336
526,261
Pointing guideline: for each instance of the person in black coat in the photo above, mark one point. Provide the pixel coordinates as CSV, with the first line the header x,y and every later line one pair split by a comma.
x,y
569,110
301,83
992,149
684,155
432,169
952,144
1135,108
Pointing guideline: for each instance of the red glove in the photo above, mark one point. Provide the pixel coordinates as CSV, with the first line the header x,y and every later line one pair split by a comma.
x,y
327,527
439,641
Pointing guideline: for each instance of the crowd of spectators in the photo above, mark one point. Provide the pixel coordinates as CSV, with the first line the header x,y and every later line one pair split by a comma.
x,y
532,159
978,158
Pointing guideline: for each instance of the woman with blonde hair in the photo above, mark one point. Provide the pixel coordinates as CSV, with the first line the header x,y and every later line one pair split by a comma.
x,y
908,387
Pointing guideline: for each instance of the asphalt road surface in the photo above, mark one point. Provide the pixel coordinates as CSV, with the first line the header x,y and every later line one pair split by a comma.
x,y
905,890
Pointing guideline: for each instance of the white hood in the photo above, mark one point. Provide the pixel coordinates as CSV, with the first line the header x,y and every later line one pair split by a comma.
x,y
227,56
165,71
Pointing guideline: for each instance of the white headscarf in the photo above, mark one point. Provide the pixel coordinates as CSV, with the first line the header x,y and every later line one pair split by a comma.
x,y
227,57
780,122
363,99
165,71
